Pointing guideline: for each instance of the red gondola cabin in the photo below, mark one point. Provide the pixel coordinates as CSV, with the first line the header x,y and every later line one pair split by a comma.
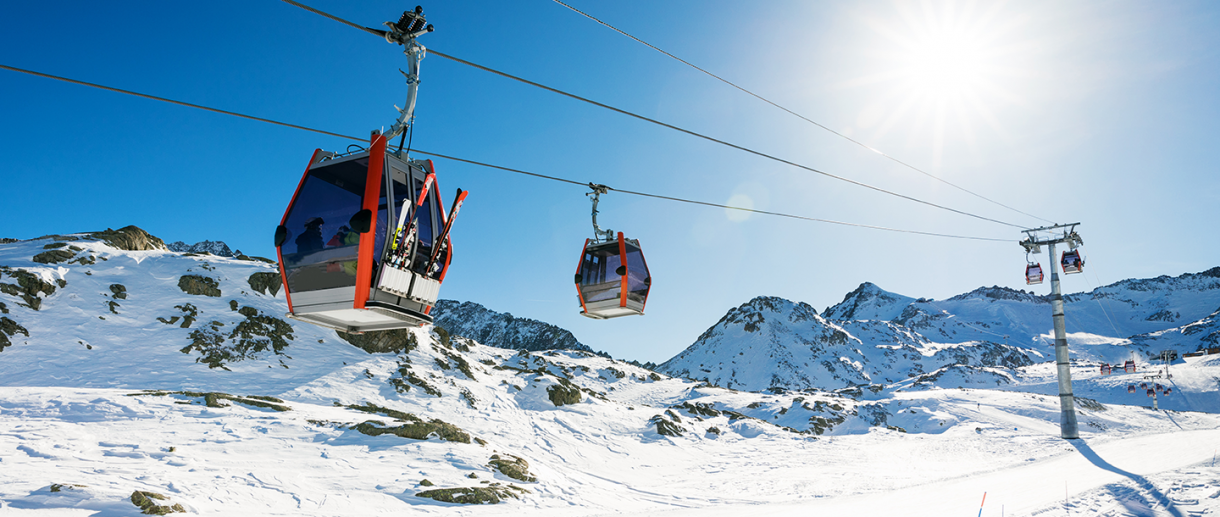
x,y
612,279
1072,262
1033,274
344,265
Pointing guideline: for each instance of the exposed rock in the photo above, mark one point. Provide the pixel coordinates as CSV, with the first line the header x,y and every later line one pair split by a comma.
x,y
563,393
266,282
416,429
29,286
147,502
118,291
53,256
199,285
256,334
130,238
213,398
9,328
512,466
398,341
473,495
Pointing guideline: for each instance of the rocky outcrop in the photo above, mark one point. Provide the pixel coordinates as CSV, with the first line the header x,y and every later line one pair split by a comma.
x,y
130,238
501,329
217,248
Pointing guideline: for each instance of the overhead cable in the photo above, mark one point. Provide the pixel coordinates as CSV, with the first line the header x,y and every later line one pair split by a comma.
x,y
676,128
488,165
798,115
171,101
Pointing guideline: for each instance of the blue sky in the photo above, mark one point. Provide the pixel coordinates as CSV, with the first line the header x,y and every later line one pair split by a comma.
x,y
1104,113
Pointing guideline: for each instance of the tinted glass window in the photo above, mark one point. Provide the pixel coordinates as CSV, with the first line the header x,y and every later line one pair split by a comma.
x,y
638,280
424,218
321,251
402,205
598,277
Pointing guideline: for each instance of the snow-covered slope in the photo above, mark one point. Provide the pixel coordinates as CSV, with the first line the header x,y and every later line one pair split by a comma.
x,y
484,325
130,367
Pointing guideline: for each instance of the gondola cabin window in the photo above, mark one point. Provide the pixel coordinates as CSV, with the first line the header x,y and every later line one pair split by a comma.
x,y
321,250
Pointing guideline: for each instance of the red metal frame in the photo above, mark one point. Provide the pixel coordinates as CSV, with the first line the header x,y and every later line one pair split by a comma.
x,y
372,192
622,258
579,266
1041,275
278,254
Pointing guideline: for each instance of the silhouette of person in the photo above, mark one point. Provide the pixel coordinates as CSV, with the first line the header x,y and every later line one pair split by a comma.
x,y
311,239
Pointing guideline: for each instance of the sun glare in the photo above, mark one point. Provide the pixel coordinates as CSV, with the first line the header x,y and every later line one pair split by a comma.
x,y
939,69
945,65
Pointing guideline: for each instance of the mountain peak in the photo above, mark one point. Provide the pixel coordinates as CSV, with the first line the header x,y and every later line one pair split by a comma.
x,y
217,248
868,302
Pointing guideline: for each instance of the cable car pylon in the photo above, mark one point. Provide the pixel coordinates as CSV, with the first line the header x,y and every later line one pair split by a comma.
x,y
1032,244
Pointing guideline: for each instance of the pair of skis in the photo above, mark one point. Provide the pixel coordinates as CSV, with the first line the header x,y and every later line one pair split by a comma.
x,y
402,249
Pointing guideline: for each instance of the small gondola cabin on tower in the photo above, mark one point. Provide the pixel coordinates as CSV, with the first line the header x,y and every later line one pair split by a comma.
x,y
345,260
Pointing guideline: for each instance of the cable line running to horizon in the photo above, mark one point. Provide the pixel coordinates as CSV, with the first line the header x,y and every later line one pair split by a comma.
x,y
669,126
488,165
798,115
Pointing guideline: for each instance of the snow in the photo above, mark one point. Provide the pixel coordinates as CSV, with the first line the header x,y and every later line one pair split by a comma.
x,y
79,432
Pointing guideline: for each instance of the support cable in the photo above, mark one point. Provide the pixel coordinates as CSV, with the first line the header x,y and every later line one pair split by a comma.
x,y
492,166
798,115
434,52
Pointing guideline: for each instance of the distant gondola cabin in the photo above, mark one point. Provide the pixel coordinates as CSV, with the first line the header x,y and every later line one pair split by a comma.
x,y
1072,262
1033,274
612,279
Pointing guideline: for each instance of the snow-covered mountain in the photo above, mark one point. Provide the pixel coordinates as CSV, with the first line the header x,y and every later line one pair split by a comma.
x,y
469,319
771,342
217,248
135,378
877,337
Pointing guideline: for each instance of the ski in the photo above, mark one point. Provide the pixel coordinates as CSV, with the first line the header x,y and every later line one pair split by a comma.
x,y
400,257
442,239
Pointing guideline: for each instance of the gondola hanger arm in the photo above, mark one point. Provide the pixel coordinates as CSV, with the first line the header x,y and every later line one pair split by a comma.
x,y
404,32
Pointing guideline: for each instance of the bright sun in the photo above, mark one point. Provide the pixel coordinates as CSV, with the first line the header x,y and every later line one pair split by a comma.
x,y
945,65
939,69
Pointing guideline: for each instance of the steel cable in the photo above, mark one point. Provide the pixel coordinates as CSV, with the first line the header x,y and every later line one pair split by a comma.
x,y
482,164
670,126
798,115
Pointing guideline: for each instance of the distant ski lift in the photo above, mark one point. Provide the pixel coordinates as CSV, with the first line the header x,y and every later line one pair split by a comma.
x,y
1130,388
1072,262
1129,366
1106,369
1033,274
1167,391
347,261
612,278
